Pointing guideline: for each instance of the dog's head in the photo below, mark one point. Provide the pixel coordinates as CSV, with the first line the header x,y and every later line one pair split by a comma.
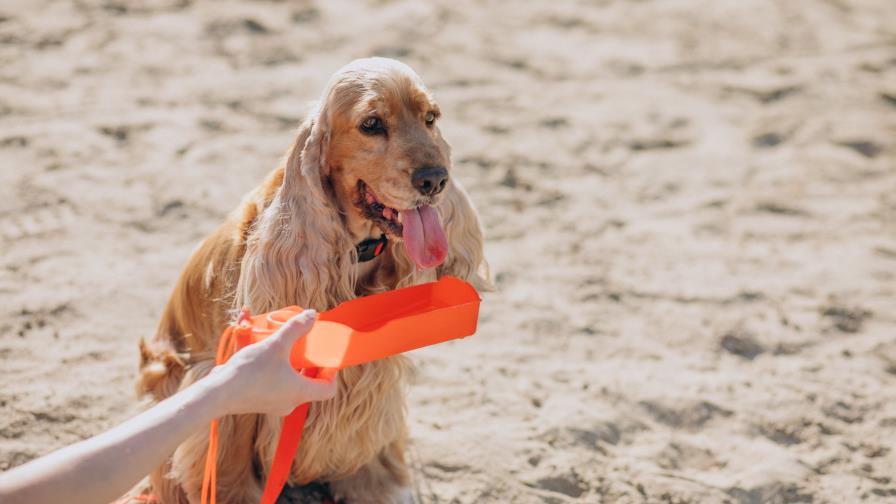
x,y
377,141
369,159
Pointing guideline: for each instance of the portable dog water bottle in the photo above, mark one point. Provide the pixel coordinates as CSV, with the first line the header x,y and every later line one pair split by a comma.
x,y
357,331
377,326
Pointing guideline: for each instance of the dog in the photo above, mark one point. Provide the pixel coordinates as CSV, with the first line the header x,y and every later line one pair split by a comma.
x,y
368,166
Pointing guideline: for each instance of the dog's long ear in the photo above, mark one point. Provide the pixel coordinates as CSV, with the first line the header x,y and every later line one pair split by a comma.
x,y
298,251
307,159
466,258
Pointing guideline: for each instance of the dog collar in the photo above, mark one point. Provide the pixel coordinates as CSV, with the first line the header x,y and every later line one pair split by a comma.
x,y
370,248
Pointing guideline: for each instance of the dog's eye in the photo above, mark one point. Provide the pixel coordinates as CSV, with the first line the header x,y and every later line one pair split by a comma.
x,y
373,126
430,118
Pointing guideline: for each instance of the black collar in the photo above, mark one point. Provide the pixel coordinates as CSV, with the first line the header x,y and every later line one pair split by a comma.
x,y
370,248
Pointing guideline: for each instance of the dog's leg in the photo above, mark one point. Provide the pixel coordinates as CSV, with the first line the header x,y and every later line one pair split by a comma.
x,y
385,480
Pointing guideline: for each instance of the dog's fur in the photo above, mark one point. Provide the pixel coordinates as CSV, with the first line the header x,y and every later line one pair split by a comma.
x,y
292,242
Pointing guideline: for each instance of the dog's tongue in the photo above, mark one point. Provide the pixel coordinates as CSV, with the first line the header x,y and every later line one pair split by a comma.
x,y
423,236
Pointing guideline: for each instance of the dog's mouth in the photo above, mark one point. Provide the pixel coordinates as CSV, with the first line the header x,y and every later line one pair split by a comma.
x,y
387,218
419,228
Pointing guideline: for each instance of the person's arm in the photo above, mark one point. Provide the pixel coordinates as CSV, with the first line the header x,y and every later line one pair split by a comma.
x,y
257,379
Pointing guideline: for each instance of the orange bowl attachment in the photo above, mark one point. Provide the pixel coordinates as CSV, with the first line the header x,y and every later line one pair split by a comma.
x,y
379,325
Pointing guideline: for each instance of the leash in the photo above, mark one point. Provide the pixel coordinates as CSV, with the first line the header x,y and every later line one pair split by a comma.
x,y
290,437
234,338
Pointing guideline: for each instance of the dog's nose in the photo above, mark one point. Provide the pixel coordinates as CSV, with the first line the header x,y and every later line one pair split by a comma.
x,y
430,180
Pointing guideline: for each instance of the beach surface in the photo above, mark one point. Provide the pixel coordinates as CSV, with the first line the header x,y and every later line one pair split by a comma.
x,y
690,211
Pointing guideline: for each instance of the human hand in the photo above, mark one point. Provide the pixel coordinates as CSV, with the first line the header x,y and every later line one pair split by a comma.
x,y
260,379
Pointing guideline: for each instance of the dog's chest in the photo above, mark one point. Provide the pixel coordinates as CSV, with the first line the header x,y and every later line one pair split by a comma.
x,y
365,270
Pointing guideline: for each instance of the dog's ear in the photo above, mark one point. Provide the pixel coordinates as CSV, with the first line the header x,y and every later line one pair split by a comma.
x,y
466,258
308,155
314,152
297,251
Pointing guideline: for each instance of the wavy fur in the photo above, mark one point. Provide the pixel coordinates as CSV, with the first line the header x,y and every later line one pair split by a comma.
x,y
289,243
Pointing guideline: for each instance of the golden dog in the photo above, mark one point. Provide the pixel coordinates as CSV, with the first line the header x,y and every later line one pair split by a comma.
x,y
369,162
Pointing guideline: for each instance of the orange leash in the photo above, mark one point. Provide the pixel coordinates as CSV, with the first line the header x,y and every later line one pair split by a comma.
x,y
226,348
287,446
234,338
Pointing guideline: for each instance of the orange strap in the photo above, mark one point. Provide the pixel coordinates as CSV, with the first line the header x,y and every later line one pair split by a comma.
x,y
234,338
290,437
226,348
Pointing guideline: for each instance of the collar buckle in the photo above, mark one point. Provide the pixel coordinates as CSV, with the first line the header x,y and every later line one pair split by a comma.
x,y
370,248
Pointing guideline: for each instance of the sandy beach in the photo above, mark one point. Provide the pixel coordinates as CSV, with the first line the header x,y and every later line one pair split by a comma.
x,y
690,211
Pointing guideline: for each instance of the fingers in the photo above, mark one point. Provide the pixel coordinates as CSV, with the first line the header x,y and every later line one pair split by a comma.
x,y
295,328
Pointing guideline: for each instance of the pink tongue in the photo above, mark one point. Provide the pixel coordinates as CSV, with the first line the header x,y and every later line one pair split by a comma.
x,y
423,236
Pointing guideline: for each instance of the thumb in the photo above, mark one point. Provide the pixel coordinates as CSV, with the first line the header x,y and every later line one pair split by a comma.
x,y
295,328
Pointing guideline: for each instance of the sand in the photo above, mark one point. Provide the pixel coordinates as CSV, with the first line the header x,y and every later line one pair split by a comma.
x,y
690,208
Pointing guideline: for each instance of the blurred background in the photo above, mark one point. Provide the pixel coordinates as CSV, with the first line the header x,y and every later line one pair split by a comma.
x,y
690,211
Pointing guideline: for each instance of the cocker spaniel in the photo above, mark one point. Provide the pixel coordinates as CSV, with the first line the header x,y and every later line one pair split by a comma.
x,y
363,203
